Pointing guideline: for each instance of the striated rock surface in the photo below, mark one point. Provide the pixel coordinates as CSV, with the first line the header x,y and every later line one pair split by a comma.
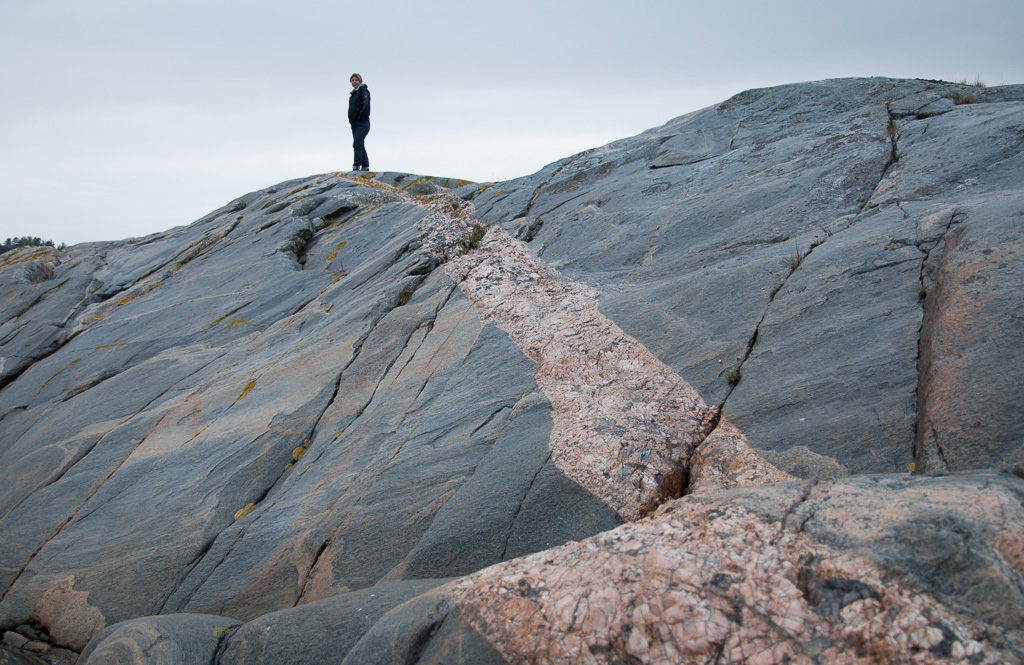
x,y
796,254
655,403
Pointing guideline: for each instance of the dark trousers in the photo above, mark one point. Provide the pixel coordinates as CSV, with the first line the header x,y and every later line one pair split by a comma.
x,y
359,132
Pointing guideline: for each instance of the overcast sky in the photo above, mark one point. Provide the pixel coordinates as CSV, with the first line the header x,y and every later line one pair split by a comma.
x,y
121,118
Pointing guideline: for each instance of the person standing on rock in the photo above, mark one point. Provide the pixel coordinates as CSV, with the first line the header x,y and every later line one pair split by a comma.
x,y
359,118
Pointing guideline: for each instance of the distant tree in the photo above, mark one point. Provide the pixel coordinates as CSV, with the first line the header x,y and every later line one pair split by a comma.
x,y
26,241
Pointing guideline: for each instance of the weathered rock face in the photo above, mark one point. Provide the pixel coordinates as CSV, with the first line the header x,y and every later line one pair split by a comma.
x,y
650,394
687,253
787,572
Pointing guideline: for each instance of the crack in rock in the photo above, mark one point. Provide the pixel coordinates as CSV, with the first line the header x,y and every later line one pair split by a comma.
x,y
625,424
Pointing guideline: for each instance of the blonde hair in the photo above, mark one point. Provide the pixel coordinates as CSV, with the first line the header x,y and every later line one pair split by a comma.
x,y
356,76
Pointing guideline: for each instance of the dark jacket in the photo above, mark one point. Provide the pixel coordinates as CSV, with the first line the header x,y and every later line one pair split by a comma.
x,y
359,104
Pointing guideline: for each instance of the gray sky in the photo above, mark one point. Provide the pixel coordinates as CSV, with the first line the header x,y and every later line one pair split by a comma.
x,y
121,118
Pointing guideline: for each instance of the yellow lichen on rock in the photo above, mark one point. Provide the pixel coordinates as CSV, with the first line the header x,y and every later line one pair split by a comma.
x,y
70,364
215,322
245,391
244,511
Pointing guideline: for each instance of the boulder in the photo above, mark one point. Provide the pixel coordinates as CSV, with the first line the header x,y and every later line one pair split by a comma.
x,y
299,635
177,639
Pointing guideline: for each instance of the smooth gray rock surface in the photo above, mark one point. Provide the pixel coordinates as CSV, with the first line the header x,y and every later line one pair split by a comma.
x,y
171,407
290,401
426,630
162,434
320,632
178,639
687,253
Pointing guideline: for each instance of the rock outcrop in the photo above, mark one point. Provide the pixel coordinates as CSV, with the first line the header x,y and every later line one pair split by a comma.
x,y
742,388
